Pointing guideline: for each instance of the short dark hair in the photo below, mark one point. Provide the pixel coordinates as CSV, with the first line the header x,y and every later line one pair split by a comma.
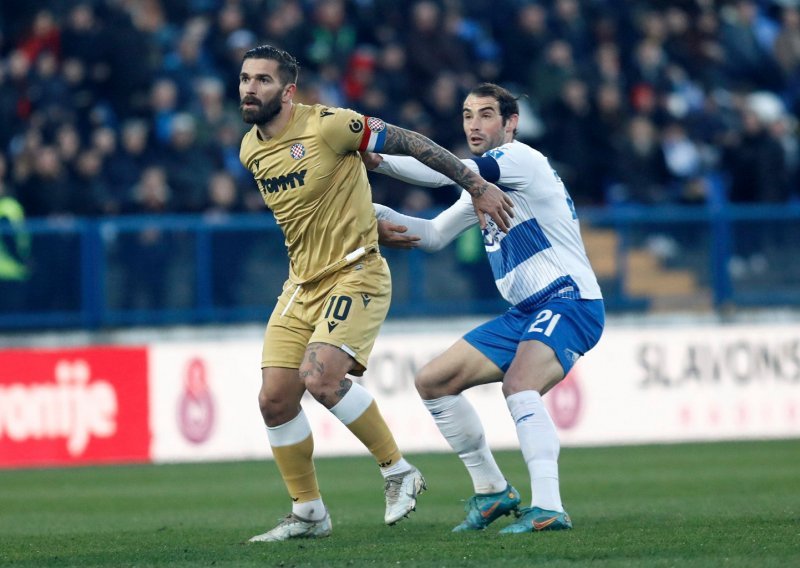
x,y
507,102
288,68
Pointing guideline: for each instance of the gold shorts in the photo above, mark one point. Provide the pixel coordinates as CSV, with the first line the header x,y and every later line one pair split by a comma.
x,y
345,309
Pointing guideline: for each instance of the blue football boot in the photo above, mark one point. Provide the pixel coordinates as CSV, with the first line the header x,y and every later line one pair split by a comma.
x,y
482,509
534,519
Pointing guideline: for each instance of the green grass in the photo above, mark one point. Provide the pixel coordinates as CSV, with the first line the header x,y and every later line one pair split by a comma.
x,y
730,504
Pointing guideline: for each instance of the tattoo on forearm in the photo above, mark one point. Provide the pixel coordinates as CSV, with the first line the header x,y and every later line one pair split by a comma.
x,y
402,141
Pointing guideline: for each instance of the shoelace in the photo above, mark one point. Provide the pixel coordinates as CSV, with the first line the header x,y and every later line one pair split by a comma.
x,y
289,519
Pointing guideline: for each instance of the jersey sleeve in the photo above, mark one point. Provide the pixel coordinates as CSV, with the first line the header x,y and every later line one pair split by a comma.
x,y
436,233
345,130
507,166
411,170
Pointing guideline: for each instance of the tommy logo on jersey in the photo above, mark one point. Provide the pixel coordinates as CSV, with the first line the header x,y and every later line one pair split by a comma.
x,y
297,151
374,135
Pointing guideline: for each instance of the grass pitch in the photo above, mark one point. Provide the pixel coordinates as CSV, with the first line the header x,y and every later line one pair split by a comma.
x,y
728,504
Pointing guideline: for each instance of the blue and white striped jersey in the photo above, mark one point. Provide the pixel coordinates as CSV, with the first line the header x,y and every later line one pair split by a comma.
x,y
542,256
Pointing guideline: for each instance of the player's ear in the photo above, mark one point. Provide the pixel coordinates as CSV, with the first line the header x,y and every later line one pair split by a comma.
x,y
288,92
511,123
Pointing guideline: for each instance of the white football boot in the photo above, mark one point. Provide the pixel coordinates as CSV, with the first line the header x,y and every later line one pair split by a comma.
x,y
401,494
293,526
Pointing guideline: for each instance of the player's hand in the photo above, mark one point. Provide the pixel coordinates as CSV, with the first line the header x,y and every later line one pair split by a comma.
x,y
371,160
496,204
393,236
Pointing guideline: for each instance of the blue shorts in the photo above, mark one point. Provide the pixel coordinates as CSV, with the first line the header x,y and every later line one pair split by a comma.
x,y
569,327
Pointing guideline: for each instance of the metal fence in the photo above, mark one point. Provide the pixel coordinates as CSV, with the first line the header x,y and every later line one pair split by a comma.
x,y
129,271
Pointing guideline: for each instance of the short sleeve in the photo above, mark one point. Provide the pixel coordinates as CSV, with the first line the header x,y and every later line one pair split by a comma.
x,y
345,130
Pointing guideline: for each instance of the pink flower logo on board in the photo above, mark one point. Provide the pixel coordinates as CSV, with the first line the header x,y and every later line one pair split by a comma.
x,y
565,401
196,405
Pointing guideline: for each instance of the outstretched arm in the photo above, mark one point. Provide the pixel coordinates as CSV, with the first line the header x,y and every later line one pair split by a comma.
x,y
395,236
409,170
431,234
487,198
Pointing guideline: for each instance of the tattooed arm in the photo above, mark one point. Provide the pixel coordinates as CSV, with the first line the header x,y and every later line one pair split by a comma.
x,y
487,198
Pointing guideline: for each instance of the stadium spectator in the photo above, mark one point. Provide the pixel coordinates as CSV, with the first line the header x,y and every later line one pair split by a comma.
x,y
557,313
46,191
568,23
642,173
431,47
549,74
228,250
285,26
162,108
569,142
331,36
43,37
145,253
442,107
89,184
125,165
210,109
188,164
787,42
608,123
525,44
749,60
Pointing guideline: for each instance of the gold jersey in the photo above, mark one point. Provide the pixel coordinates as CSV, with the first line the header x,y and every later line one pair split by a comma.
x,y
312,178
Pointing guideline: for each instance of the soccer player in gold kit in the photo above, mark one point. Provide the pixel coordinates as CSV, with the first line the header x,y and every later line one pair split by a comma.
x,y
306,163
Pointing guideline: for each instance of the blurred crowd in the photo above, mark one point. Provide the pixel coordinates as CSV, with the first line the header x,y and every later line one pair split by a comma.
x,y
112,107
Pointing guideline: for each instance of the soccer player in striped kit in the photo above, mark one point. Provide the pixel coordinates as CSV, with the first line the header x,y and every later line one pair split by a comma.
x,y
556,315
306,163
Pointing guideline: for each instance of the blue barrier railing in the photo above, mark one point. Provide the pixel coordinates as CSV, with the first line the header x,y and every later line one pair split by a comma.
x,y
127,271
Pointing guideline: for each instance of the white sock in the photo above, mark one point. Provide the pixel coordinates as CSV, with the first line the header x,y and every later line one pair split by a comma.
x,y
353,404
459,424
400,466
538,441
310,510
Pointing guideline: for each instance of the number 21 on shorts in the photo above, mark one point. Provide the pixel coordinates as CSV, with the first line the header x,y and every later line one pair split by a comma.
x,y
545,323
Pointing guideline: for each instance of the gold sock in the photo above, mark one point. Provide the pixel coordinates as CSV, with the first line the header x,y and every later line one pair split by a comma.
x,y
296,465
373,432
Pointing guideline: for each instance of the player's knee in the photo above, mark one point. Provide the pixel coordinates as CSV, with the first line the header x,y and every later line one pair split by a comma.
x,y
515,384
429,384
316,385
327,390
275,410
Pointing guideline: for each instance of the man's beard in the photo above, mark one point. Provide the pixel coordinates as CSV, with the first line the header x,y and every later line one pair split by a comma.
x,y
266,111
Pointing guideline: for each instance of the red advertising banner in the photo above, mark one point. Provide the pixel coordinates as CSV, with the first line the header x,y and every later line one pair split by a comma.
x,y
73,406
